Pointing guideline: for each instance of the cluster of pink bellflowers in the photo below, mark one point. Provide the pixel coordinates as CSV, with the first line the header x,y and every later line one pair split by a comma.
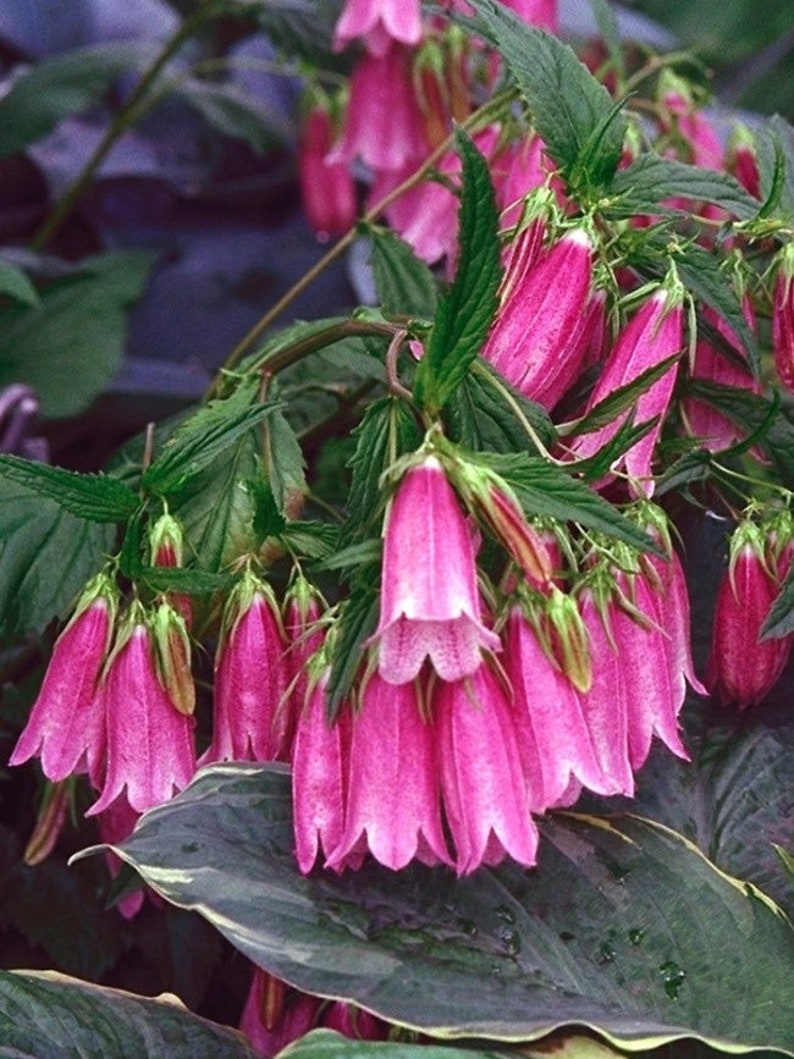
x,y
477,706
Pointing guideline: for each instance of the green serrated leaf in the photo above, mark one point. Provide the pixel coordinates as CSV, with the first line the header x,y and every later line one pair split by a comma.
x,y
544,489
354,556
284,463
64,84
14,283
751,412
776,168
69,346
465,313
387,431
48,1016
622,398
177,579
623,927
780,620
689,468
95,497
650,179
311,540
201,438
568,106
404,283
487,413
627,435
46,556
357,619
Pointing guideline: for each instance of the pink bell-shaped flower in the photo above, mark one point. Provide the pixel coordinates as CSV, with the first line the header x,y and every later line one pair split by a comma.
x,y
378,23
537,340
383,126
562,744
783,318
429,600
485,794
393,801
249,716
319,764
66,727
150,752
327,188
651,336
304,631
274,1014
743,669
115,824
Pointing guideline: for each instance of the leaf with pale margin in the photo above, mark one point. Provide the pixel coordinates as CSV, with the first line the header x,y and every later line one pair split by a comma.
x,y
405,285
543,489
780,620
65,84
570,109
324,1044
14,283
203,437
466,311
408,945
46,557
486,412
69,346
45,1015
650,179
95,497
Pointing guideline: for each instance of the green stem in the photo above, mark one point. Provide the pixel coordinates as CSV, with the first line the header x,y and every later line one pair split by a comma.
x,y
125,118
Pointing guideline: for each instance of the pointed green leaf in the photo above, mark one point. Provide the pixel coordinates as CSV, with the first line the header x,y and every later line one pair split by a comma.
x,y
465,313
621,398
404,283
572,111
650,179
358,617
780,620
623,927
284,463
44,1015
95,497
46,556
201,438
547,490
487,413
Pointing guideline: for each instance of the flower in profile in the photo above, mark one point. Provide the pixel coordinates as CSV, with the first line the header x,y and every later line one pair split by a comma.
x,y
653,335
742,667
430,604
274,1014
319,756
327,188
250,677
393,801
150,752
483,786
378,23
304,631
66,727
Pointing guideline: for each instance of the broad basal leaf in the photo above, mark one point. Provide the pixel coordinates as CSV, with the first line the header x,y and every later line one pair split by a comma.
x,y
44,1015
623,927
46,556
69,346
465,313
323,1044
95,497
570,109
14,283
64,84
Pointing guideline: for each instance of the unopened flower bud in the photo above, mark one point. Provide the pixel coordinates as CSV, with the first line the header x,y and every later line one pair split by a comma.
x,y
783,317
172,654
